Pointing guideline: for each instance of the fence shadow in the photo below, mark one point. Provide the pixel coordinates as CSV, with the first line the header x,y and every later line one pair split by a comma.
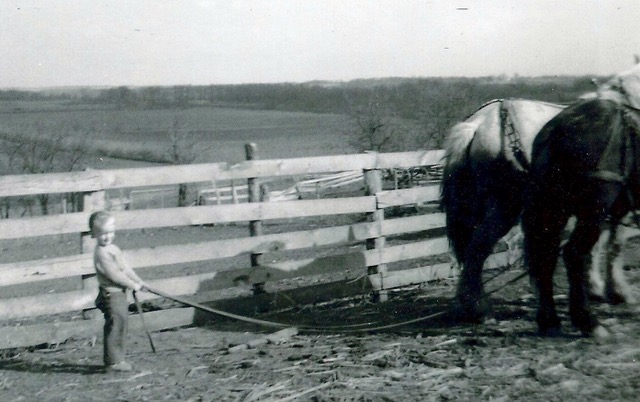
x,y
51,367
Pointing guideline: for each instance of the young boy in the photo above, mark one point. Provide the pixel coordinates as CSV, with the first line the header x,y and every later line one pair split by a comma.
x,y
114,278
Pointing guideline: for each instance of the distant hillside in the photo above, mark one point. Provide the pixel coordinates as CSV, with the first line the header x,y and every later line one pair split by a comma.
x,y
321,96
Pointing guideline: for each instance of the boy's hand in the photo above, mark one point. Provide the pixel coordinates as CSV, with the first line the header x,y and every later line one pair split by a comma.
x,y
144,287
137,287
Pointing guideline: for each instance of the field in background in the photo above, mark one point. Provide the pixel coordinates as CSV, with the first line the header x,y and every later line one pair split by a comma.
x,y
220,133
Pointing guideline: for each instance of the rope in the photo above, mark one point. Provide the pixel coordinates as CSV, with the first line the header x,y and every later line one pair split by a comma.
x,y
217,311
330,329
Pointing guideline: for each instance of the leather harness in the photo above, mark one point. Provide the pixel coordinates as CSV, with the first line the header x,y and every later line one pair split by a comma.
x,y
512,137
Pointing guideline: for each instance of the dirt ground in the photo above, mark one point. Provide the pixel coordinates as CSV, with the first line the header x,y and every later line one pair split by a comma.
x,y
432,359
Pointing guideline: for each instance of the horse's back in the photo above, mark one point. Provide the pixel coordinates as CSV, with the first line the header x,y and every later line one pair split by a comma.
x,y
529,117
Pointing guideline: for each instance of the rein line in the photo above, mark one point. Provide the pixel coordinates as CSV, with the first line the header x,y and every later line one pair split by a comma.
x,y
354,328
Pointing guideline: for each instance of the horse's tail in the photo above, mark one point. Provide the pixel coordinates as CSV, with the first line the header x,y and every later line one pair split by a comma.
x,y
458,189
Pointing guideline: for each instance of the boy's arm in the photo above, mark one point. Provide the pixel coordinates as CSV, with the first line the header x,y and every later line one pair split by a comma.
x,y
107,263
127,269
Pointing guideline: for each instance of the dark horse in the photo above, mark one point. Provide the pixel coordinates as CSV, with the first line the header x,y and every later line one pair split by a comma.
x,y
584,163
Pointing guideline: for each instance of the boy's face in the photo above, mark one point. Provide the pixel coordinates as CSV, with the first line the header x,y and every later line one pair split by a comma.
x,y
106,232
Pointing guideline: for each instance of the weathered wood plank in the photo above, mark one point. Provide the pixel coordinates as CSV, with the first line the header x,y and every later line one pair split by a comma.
x,y
45,269
413,224
322,288
95,180
78,300
37,334
346,265
407,251
409,159
415,195
412,276
428,273
200,215
48,183
44,225
186,216
303,166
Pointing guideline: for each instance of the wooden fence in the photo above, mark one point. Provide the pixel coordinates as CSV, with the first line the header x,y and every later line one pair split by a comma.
x,y
364,258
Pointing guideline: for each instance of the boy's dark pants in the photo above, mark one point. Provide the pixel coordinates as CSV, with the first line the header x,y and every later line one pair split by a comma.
x,y
115,308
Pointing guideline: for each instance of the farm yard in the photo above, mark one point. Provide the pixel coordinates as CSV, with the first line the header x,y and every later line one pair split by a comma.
x,y
432,357
433,360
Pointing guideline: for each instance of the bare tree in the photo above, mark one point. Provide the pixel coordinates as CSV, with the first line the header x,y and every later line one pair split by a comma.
x,y
442,107
39,149
375,129
183,149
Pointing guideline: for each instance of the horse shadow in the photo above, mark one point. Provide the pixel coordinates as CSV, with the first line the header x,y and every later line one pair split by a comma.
x,y
51,367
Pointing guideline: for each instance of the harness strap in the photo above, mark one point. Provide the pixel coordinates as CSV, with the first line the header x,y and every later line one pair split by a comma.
x,y
622,148
513,138
608,175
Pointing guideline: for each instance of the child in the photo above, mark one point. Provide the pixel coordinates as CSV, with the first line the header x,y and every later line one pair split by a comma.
x,y
114,278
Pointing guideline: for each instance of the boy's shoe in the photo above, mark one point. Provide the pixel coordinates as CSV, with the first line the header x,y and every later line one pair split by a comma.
x,y
122,366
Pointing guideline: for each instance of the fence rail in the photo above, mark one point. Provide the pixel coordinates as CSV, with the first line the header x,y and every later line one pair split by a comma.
x,y
365,251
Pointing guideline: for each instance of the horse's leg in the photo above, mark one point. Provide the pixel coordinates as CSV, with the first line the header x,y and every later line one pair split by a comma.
x,y
514,239
542,227
605,206
617,288
576,256
600,255
607,257
500,218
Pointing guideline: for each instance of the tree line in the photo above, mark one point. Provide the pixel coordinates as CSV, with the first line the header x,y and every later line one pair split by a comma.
x,y
406,97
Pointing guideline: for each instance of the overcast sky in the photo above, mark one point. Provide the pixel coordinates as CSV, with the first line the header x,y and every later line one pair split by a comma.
x,y
165,42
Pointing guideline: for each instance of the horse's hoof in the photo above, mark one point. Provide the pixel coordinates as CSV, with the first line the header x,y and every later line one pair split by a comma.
x,y
597,298
466,313
616,298
549,325
550,332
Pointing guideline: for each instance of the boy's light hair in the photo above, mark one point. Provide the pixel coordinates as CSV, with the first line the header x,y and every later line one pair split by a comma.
x,y
97,220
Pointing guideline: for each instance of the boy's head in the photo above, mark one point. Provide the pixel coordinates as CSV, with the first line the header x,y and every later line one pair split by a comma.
x,y
101,222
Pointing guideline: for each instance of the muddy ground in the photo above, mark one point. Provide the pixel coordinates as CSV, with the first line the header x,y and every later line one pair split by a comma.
x,y
432,359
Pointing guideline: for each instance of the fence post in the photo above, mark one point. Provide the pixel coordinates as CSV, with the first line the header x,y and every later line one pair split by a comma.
x,y
255,227
234,192
373,184
91,202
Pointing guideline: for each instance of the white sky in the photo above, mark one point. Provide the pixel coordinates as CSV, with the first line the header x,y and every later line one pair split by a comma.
x,y
165,42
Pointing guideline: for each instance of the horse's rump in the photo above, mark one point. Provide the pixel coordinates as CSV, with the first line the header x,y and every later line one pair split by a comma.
x,y
586,141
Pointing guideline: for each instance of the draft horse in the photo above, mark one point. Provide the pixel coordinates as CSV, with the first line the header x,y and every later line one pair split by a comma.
x,y
584,163
485,171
